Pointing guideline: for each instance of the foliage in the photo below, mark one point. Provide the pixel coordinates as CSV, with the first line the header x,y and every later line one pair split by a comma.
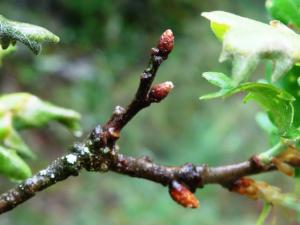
x,y
246,42
87,98
276,102
29,35
22,110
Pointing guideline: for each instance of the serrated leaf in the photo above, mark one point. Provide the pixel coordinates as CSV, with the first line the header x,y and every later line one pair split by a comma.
x,y
287,11
30,35
247,41
12,165
276,102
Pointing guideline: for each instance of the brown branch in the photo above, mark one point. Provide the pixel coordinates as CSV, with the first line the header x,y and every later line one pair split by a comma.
x,y
99,152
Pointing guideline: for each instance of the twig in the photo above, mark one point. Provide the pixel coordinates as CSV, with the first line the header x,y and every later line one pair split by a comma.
x,y
99,151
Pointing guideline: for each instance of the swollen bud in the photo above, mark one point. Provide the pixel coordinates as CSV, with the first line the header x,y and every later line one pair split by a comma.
x,y
159,91
182,195
246,186
166,43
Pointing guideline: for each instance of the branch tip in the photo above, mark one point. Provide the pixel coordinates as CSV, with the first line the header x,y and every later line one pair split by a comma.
x,y
166,43
159,91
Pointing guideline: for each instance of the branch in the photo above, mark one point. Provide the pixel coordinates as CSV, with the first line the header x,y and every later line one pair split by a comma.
x,y
99,151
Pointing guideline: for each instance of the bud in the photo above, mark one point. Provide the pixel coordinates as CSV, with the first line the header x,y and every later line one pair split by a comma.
x,y
246,186
159,91
166,43
182,195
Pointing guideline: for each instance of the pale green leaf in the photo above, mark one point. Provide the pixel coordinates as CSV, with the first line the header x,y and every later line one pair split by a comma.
x,y
20,111
30,35
30,111
247,41
276,102
12,165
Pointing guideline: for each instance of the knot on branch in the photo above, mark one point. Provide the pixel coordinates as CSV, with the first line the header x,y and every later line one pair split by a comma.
x,y
190,175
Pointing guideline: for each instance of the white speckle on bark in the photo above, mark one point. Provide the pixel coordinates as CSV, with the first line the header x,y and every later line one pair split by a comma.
x,y
43,172
71,158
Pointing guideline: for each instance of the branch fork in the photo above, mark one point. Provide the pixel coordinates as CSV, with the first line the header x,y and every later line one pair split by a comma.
x,y
99,151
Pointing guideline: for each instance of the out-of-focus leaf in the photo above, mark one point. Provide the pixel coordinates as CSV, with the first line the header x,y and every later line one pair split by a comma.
x,y
29,111
268,193
19,111
12,165
272,194
10,138
247,41
287,11
276,102
30,35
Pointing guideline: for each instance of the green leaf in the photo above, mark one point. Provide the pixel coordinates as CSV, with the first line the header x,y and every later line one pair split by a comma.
x,y
276,102
247,41
30,35
20,111
12,165
290,84
29,111
287,11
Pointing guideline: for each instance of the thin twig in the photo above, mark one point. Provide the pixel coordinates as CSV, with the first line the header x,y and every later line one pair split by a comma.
x,y
99,152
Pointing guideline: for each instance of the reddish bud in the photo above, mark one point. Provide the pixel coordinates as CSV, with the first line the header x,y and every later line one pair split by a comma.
x,y
166,43
182,195
246,186
159,91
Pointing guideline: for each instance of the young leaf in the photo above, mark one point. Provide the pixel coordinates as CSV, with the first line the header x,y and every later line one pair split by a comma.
x,y
276,102
12,165
29,111
262,190
30,35
285,11
20,111
247,41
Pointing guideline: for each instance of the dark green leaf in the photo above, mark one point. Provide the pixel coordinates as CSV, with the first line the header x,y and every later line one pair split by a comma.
x,y
30,35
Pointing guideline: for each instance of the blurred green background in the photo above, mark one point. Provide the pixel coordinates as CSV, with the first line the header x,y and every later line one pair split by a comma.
x,y
104,47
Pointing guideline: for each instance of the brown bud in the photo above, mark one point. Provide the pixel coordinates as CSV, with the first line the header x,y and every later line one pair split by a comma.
x,y
166,43
159,91
114,133
246,186
182,195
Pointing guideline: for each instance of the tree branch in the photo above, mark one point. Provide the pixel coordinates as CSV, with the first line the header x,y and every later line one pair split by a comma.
x,y
100,153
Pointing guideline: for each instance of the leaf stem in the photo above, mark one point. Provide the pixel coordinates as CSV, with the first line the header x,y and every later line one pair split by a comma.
x,y
264,214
